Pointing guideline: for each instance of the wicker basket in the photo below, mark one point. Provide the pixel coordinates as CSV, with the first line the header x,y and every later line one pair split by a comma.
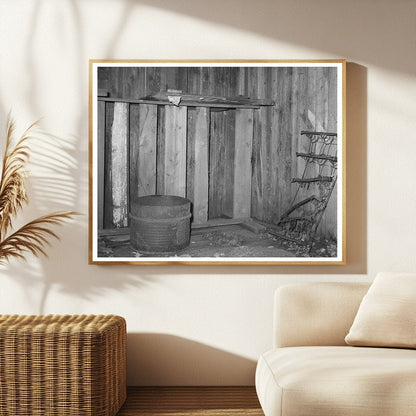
x,y
54,365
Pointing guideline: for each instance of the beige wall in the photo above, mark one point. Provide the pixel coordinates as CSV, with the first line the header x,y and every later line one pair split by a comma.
x,y
204,325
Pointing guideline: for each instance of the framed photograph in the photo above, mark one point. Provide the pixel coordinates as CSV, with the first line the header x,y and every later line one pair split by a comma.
x,y
217,162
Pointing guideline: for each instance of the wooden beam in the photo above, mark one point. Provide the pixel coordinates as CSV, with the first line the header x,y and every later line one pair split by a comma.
x,y
242,163
220,222
115,232
175,151
201,149
119,164
100,163
223,105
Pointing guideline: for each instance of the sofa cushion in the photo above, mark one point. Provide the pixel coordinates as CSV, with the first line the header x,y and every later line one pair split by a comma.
x,y
315,314
342,381
387,314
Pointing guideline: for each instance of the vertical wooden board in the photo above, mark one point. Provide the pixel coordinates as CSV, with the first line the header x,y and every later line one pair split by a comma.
x,y
320,99
102,78
169,78
332,126
296,124
216,165
141,82
242,163
325,97
217,84
112,72
242,81
233,81
276,183
328,227
135,128
163,79
229,154
190,151
182,79
311,98
303,142
229,82
147,150
194,80
221,164
322,118
315,117
100,163
213,210
116,81
307,108
214,81
271,146
270,135
160,153
332,100
263,146
130,82
256,179
201,148
143,130
285,145
206,81
119,164
251,88
175,151
134,83
108,188
153,80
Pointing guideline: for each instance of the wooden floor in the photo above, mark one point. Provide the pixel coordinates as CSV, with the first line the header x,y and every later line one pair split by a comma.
x,y
187,401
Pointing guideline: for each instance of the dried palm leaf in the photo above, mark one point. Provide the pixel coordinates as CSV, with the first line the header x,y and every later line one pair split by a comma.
x,y
33,237
12,183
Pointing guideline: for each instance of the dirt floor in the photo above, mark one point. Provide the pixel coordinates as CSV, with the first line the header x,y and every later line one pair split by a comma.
x,y
217,242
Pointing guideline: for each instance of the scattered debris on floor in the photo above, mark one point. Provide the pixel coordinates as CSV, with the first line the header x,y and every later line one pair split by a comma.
x,y
221,238
227,242
322,247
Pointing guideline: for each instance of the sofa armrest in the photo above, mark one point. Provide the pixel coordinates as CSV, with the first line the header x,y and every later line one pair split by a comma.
x,y
315,313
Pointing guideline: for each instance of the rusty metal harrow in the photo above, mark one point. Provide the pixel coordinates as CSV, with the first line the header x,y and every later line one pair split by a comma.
x,y
300,222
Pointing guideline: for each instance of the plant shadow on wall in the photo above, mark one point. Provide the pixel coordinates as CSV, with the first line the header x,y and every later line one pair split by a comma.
x,y
52,186
58,179
310,24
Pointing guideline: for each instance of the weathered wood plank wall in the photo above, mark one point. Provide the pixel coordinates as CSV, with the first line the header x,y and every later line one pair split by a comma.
x,y
305,99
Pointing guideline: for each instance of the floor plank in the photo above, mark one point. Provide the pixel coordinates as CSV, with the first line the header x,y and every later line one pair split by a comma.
x,y
195,401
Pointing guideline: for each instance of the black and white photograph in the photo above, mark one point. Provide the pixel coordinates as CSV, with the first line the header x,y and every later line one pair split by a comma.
x,y
217,162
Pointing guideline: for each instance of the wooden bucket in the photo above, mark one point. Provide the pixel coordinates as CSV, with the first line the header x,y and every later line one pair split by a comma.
x,y
160,223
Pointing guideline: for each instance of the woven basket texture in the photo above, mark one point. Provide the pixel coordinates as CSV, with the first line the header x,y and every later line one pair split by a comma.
x,y
56,365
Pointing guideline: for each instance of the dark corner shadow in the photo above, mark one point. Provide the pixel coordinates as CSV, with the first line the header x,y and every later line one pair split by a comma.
x,y
333,27
356,196
169,360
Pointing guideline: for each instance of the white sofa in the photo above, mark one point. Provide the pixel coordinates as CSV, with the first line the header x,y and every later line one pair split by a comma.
x,y
311,371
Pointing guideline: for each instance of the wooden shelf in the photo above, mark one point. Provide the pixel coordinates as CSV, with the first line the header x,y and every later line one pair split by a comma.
x,y
188,100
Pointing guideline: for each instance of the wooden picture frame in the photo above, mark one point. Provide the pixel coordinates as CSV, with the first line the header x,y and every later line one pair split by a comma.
x,y
217,162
